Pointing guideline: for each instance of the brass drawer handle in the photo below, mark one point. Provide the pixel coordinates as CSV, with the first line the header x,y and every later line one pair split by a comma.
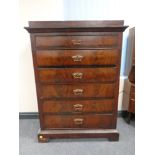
x,y
77,75
77,58
76,42
78,92
78,107
78,121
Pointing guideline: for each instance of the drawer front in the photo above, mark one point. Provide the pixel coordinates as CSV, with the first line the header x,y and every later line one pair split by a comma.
x,y
77,41
77,106
77,90
77,74
77,57
77,121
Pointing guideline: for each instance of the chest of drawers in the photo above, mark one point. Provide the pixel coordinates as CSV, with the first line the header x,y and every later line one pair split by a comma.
x,y
77,67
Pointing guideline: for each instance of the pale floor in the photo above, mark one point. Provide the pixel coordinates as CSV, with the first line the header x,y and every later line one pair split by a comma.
x,y
30,146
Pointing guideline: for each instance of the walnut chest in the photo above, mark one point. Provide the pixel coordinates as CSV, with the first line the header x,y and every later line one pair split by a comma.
x,y
77,69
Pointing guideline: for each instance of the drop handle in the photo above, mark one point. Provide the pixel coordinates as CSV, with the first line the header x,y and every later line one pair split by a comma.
x,y
78,92
77,58
76,42
78,121
78,107
77,75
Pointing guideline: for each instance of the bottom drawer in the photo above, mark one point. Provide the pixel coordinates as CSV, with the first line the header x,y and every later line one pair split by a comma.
x,y
78,121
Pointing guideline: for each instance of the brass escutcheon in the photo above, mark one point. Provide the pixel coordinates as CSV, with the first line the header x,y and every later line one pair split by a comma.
x,y
78,91
77,75
78,121
76,42
77,58
78,107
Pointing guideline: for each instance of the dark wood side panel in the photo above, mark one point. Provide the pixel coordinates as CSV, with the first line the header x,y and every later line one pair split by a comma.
x,y
77,90
59,75
78,121
77,57
77,106
37,83
76,41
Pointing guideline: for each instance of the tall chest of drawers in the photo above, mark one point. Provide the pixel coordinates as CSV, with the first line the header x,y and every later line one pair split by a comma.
x,y
77,68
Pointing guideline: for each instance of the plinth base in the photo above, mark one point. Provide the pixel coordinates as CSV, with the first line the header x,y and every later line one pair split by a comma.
x,y
45,135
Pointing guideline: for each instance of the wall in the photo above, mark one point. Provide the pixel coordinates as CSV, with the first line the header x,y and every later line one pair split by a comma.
x,y
102,10
63,10
32,10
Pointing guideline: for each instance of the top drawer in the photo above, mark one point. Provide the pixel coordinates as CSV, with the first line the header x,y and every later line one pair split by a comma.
x,y
76,41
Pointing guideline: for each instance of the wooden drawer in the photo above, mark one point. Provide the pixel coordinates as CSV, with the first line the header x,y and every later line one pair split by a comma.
x,y
77,106
106,74
77,57
76,41
77,121
77,90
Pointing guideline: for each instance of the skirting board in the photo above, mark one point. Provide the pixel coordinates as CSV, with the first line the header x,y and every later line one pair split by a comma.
x,y
34,115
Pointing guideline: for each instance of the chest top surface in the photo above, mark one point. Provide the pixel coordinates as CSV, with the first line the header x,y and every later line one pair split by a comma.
x,y
72,26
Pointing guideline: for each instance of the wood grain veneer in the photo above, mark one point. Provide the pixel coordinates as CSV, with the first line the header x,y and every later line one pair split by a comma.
x,y
77,67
